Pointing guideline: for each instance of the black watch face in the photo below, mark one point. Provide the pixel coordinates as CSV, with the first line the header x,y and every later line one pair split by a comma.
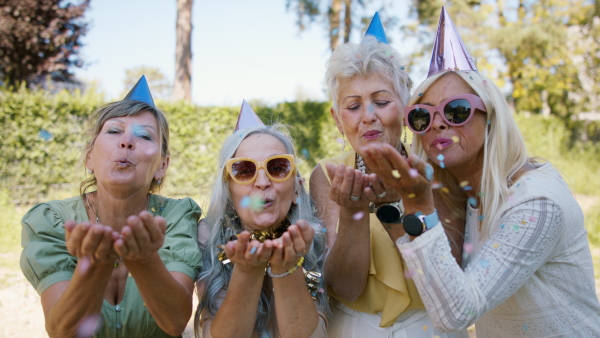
x,y
388,214
412,225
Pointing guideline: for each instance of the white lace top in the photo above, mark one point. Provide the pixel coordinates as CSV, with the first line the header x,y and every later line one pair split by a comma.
x,y
532,278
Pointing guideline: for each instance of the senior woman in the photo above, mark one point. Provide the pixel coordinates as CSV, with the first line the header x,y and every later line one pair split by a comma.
x,y
364,271
529,272
258,238
102,261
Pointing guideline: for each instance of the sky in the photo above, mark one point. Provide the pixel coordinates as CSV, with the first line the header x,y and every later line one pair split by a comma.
x,y
241,49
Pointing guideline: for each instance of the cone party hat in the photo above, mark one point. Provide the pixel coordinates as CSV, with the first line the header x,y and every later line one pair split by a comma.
x,y
449,51
247,118
141,92
376,29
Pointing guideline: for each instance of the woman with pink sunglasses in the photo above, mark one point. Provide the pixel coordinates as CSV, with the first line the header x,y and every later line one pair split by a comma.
x,y
526,268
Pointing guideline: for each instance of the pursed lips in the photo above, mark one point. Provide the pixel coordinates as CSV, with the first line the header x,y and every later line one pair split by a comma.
x,y
371,134
441,143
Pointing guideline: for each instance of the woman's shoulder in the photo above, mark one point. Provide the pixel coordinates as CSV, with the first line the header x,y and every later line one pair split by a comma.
x,y
56,210
166,204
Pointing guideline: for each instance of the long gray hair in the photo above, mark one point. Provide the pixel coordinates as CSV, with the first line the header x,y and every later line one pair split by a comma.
x,y
223,224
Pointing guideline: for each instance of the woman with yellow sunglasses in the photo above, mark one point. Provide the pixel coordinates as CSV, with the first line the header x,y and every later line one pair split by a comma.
x,y
262,245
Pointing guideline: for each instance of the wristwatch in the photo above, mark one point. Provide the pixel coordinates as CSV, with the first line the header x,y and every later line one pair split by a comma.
x,y
390,212
416,224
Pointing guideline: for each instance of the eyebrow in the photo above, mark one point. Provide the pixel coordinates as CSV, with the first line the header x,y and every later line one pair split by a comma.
x,y
142,125
372,94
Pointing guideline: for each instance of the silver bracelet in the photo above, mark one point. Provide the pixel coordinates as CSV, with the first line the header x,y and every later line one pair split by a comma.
x,y
289,272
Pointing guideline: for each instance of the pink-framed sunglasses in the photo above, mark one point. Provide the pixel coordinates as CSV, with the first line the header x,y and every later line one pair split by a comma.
x,y
456,111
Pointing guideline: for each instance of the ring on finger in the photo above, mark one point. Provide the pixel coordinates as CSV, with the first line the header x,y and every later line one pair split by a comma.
x,y
354,198
383,194
299,254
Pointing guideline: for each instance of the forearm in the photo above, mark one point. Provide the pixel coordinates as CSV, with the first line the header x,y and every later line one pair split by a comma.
x,y
237,315
347,264
296,312
66,304
172,309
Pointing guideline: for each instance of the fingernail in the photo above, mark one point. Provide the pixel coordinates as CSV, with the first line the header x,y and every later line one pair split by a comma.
x,y
253,250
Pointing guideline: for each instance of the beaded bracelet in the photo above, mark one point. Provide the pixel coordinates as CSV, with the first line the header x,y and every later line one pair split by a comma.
x,y
289,272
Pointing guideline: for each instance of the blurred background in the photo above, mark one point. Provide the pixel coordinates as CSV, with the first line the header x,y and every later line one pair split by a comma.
x,y
60,59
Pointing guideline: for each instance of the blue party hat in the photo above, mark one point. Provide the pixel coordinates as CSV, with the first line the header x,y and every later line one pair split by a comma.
x,y
247,118
141,92
376,29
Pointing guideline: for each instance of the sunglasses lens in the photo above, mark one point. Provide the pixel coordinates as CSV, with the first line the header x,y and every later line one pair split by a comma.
x,y
243,171
279,168
457,111
418,119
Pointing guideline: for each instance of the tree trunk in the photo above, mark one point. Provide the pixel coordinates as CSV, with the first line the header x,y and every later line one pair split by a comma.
x,y
347,20
182,88
334,24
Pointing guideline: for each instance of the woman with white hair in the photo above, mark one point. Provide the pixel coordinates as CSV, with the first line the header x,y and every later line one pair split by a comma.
x,y
371,293
258,238
529,270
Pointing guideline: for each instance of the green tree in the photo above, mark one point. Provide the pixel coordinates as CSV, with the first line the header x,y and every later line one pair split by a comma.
x,y
40,38
338,17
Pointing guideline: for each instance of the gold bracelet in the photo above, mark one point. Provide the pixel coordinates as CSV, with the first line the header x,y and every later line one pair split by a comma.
x,y
289,272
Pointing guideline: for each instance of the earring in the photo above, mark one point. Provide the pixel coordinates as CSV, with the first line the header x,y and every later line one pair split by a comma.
x,y
405,135
343,142
159,182
90,171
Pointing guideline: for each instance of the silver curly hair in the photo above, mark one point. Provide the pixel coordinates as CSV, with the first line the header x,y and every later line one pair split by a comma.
x,y
370,56
223,224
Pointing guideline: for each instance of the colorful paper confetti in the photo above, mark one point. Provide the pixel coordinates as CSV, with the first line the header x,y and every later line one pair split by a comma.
x,y
455,139
358,216
412,172
396,174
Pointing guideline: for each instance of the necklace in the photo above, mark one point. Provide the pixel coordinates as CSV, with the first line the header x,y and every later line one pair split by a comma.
x,y
360,163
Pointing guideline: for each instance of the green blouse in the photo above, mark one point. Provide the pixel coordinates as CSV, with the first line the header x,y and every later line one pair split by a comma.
x,y
45,259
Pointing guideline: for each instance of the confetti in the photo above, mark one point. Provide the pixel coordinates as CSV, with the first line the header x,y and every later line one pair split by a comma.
x,y
420,272
440,157
484,263
370,109
420,94
253,250
502,226
442,165
424,327
455,139
89,325
396,174
523,222
245,202
256,203
339,140
515,227
464,184
439,146
402,68
525,327
467,188
411,195
408,252
481,217
489,122
324,230
447,220
472,201
388,53
496,245
436,185
321,290
45,135
358,216
485,81
510,199
84,264
298,199
408,274
445,190
532,219
468,247
428,172
335,31
305,152
412,172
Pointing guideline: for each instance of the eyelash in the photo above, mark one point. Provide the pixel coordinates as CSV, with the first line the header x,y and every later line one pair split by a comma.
x,y
117,131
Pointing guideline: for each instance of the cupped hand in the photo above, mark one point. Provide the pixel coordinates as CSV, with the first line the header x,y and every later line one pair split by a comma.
x,y
141,238
249,256
380,192
347,185
410,177
94,241
293,244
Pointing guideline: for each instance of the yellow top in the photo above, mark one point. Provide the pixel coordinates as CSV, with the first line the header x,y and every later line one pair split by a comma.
x,y
387,291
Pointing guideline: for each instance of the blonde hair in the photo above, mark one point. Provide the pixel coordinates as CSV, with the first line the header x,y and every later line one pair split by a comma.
x,y
504,152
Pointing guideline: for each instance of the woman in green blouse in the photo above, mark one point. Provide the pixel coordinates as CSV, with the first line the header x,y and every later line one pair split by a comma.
x,y
118,261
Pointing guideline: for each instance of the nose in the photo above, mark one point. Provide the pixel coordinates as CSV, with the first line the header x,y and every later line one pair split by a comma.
x,y
262,180
438,123
126,141
369,116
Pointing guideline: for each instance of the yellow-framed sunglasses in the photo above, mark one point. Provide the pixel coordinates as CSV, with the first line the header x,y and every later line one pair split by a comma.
x,y
278,168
